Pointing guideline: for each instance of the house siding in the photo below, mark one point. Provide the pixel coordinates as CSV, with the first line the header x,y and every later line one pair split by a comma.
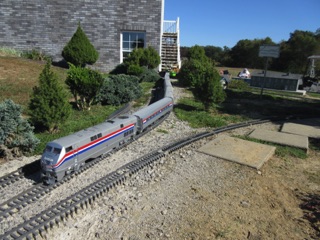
x,y
47,25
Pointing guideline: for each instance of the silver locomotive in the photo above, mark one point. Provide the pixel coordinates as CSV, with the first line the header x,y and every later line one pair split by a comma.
x,y
67,154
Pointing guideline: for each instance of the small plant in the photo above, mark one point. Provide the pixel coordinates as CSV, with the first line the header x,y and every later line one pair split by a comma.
x,y
239,85
35,55
4,51
162,131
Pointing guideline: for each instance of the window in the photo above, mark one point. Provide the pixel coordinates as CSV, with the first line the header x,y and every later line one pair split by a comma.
x,y
68,149
48,148
93,138
56,150
131,41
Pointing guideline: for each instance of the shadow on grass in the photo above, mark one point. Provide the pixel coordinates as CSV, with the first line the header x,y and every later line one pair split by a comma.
x,y
256,106
311,210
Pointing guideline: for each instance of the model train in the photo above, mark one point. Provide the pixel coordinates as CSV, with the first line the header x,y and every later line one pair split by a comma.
x,y
67,154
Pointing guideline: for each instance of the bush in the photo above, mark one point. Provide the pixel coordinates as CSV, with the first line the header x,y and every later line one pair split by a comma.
x,y
120,69
119,89
149,75
84,84
16,134
79,51
134,70
190,72
239,85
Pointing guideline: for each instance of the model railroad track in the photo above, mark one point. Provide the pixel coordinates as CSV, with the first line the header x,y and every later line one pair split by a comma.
x,y
16,203
47,219
26,170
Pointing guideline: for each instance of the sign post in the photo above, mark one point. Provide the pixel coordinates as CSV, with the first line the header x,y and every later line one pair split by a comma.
x,y
267,51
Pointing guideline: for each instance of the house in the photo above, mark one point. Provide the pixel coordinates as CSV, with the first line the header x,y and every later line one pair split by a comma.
x,y
276,80
114,27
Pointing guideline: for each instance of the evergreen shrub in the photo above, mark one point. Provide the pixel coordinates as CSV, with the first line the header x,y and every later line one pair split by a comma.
x,y
119,89
16,134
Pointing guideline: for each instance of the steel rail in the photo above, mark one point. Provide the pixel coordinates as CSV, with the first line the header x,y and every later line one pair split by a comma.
x,y
45,220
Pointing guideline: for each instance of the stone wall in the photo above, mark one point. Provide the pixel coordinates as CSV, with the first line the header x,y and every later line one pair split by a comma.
x,y
47,25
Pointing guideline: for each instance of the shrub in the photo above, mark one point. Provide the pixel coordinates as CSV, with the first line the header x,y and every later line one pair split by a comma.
x,y
16,134
119,89
190,72
208,89
239,85
149,75
84,84
79,51
49,106
35,55
134,70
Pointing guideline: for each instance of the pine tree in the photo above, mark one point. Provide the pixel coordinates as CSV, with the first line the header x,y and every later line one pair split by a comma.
x,y
49,106
79,51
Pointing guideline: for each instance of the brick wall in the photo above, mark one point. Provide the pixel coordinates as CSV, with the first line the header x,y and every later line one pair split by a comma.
x,y
47,25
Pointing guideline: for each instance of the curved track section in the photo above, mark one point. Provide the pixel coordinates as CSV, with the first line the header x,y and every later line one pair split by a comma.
x,y
47,219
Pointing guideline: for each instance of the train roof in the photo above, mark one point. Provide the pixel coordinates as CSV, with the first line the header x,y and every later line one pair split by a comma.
x,y
154,107
109,125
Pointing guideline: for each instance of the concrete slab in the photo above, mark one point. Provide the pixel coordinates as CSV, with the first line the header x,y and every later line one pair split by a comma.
x,y
302,129
240,151
281,138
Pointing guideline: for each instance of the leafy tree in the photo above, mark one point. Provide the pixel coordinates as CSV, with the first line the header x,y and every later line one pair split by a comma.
x,y
49,106
246,53
16,134
295,51
118,89
84,85
79,51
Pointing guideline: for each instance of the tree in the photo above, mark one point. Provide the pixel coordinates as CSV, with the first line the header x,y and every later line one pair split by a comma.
x,y
49,106
79,51
84,85
294,53
246,53
16,134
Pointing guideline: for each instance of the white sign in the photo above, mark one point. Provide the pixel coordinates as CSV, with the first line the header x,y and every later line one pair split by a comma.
x,y
269,51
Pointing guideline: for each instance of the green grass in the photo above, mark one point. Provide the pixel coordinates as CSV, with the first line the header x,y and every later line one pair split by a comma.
x,y
146,88
193,112
281,151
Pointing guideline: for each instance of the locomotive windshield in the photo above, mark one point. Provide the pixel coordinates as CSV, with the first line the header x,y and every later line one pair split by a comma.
x,y
54,150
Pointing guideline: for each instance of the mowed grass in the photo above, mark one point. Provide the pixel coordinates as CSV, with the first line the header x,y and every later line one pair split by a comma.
x,y
18,76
